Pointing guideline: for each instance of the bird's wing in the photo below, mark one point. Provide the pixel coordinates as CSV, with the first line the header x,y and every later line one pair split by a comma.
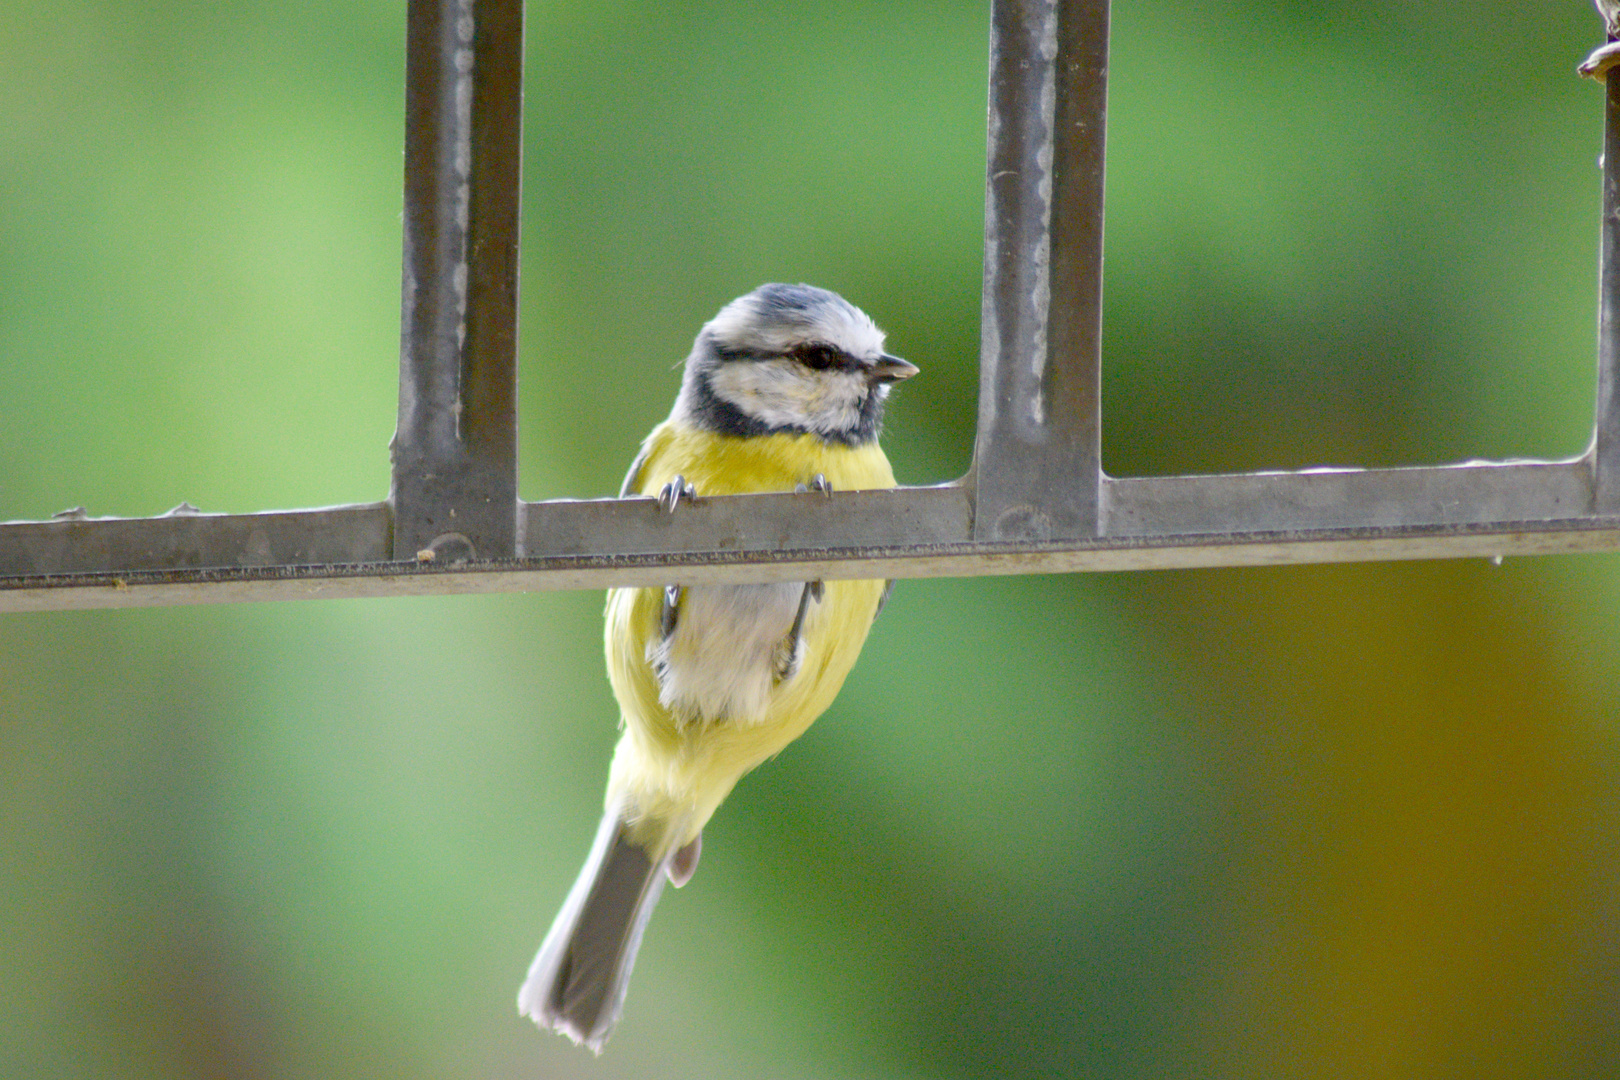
x,y
632,478
656,443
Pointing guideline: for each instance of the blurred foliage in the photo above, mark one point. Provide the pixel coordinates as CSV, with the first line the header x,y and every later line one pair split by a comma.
x,y
1337,821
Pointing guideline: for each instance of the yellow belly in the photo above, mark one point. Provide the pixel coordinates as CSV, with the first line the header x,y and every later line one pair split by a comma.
x,y
672,769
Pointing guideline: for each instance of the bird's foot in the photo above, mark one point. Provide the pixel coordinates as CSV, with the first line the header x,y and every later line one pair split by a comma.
x,y
672,494
668,613
791,650
812,589
818,483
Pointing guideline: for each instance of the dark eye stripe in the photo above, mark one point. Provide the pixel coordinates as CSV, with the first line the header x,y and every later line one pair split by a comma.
x,y
822,357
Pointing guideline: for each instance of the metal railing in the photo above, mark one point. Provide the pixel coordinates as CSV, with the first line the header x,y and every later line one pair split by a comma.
x,y
1035,499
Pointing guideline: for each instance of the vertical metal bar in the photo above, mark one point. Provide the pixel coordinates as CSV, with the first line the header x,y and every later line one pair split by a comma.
x,y
1606,438
455,447
1037,460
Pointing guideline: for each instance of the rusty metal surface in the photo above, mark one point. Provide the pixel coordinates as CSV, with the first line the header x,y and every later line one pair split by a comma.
x,y
1035,502
1328,499
1606,438
230,585
455,446
1483,510
186,539
1037,458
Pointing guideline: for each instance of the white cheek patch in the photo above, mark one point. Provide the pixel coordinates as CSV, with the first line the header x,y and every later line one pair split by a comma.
x,y
782,393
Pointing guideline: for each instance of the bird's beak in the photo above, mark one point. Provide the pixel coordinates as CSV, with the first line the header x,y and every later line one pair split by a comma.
x,y
891,369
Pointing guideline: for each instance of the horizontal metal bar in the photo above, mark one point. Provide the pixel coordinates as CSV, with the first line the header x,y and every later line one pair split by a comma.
x,y
752,525
237,584
184,538
1478,509
1316,499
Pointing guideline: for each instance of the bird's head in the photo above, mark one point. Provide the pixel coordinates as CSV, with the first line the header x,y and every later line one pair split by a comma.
x,y
793,359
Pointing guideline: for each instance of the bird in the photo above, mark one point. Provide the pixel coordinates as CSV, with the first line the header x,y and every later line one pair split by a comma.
x,y
783,390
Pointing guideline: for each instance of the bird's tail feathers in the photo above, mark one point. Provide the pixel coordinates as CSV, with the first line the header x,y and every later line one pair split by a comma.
x,y
577,982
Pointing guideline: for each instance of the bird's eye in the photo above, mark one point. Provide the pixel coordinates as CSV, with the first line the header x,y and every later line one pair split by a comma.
x,y
818,357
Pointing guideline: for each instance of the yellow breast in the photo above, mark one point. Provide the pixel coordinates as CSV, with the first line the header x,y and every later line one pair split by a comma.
x,y
729,465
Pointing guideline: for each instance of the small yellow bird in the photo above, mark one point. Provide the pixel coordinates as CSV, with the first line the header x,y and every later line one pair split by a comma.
x,y
784,390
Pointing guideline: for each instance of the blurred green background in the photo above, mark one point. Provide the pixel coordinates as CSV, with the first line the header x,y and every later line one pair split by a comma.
x,y
1323,821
